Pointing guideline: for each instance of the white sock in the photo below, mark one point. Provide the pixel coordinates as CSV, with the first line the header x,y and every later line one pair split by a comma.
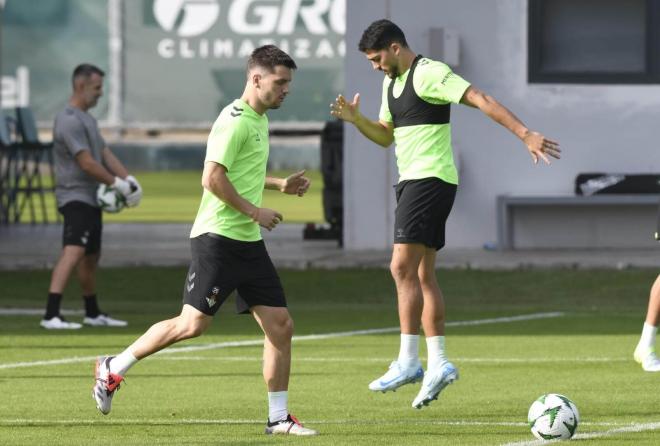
x,y
648,336
277,406
435,346
122,362
409,350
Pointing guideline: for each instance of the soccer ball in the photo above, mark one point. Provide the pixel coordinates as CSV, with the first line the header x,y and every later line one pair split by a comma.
x,y
109,199
553,417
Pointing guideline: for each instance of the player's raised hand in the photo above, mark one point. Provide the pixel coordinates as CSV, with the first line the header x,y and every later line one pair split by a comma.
x,y
347,111
296,184
267,218
541,147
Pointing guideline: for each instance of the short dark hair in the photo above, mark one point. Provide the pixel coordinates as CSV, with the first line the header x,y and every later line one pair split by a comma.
x,y
85,70
380,35
270,56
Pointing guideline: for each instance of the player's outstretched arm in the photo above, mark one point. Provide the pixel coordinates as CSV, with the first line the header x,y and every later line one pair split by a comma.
x,y
537,145
214,179
294,184
382,133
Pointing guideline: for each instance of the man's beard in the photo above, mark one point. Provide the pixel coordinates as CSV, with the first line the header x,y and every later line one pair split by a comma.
x,y
394,73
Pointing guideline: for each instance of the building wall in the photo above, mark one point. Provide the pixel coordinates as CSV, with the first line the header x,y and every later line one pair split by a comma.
x,y
608,128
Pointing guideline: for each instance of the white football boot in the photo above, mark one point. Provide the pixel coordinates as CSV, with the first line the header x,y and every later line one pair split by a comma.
x,y
103,320
105,385
58,323
647,358
397,376
289,426
435,380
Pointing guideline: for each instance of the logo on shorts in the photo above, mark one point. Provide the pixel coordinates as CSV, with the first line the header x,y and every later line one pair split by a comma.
x,y
190,285
399,233
85,238
211,300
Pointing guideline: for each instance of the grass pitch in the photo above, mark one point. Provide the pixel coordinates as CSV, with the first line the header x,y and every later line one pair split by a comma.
x,y
203,391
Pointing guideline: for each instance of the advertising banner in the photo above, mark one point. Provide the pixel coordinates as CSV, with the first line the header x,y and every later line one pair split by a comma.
x,y
185,59
173,63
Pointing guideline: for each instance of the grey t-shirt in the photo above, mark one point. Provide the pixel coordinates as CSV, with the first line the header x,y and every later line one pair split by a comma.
x,y
75,130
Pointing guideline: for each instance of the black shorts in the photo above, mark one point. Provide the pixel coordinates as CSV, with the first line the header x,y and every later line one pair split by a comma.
x,y
221,265
83,225
422,208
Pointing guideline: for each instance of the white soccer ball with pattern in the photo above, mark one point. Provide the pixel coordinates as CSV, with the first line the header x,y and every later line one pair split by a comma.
x,y
109,199
553,417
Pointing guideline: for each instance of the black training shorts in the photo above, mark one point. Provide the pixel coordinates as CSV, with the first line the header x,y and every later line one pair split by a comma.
x,y
422,208
82,226
221,265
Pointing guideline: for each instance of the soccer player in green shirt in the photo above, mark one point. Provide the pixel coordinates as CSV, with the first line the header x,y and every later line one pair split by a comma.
x,y
414,113
228,252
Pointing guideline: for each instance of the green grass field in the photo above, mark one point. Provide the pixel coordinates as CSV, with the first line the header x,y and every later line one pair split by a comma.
x,y
215,394
173,196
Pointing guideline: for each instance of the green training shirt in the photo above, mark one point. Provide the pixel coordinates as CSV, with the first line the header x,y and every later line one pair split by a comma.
x,y
238,141
424,151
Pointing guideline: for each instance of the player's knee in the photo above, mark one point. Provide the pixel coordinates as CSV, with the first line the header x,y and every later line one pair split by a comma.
x,y
401,271
195,331
428,279
284,327
187,328
288,327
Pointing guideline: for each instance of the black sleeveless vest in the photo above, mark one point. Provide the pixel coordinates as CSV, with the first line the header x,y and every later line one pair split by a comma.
x,y
409,109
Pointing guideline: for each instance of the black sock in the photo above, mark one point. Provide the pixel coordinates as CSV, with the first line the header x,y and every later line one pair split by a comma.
x,y
91,306
53,305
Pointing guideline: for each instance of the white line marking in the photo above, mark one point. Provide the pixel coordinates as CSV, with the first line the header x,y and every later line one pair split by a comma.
x,y
77,359
35,312
422,358
174,422
341,334
635,427
313,337
497,320
88,422
73,360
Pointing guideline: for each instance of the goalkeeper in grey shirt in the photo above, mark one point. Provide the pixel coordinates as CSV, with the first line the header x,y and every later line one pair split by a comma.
x,y
82,162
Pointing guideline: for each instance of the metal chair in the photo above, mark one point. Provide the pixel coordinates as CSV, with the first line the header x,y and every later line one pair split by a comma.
x,y
8,170
33,155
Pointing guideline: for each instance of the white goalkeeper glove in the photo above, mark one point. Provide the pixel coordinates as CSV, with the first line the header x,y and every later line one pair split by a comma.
x,y
134,197
122,186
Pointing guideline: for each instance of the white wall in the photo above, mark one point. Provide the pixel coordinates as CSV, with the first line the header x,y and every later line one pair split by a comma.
x,y
607,128
369,170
